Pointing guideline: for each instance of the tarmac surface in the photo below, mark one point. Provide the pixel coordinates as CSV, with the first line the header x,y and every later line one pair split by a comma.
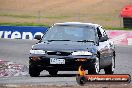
x,y
18,51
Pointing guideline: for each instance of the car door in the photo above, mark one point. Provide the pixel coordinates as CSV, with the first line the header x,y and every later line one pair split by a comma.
x,y
104,47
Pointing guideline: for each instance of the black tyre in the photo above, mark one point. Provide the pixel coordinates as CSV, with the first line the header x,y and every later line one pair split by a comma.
x,y
95,69
53,72
110,68
34,71
81,80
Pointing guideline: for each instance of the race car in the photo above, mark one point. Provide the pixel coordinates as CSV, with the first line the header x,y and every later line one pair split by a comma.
x,y
66,46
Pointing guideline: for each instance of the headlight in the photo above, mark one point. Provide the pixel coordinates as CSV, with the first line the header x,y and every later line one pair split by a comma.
x,y
82,53
37,52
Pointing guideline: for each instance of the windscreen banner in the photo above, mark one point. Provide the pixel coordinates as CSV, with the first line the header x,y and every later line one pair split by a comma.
x,y
21,32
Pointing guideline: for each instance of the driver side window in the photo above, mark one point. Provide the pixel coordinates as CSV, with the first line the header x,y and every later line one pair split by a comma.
x,y
99,33
102,34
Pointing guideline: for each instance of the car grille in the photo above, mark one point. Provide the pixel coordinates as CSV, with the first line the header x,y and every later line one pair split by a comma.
x,y
59,53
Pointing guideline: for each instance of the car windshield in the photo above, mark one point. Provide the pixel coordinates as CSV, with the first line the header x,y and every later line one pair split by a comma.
x,y
70,33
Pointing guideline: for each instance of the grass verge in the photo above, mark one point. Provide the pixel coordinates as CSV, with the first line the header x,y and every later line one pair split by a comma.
x,y
35,16
119,28
23,24
46,25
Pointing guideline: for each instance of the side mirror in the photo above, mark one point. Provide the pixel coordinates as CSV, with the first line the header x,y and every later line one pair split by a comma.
x,y
38,37
102,39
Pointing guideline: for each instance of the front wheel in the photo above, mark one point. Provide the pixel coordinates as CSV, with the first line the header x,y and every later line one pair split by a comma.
x,y
110,69
95,69
53,72
34,71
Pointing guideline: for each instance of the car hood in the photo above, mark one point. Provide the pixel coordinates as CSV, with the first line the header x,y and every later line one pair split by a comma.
x,y
65,46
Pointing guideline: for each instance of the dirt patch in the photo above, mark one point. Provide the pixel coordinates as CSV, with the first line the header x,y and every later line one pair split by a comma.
x,y
104,12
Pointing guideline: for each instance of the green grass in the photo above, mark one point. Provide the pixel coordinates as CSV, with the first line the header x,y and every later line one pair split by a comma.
x,y
56,16
23,24
46,25
18,16
34,16
119,28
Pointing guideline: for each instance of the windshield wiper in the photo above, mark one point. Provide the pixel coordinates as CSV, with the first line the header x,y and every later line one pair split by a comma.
x,y
57,40
86,41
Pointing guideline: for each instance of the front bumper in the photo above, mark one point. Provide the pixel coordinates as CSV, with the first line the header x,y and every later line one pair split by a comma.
x,y
71,62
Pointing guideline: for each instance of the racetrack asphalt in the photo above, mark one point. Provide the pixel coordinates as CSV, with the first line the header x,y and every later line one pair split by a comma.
x,y
18,51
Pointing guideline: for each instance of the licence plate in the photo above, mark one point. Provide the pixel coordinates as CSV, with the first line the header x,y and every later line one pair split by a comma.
x,y
57,61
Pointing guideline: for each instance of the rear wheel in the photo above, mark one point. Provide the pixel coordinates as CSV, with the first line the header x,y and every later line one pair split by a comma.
x,y
110,69
53,72
34,71
95,69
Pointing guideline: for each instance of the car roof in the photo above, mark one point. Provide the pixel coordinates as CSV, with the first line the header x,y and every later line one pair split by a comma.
x,y
78,24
